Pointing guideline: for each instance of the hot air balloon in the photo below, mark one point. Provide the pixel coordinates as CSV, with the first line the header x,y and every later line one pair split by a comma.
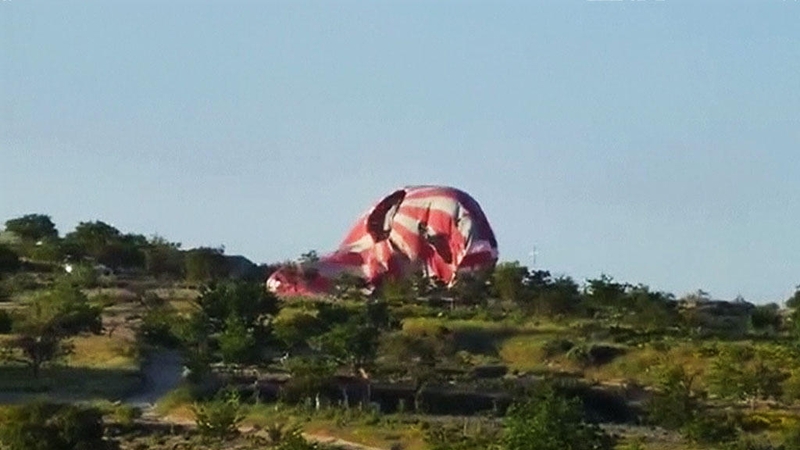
x,y
439,231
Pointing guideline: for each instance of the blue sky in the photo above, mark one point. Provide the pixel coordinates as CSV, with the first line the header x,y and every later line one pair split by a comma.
x,y
655,141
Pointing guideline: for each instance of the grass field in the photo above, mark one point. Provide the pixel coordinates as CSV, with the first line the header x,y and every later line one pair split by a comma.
x,y
99,367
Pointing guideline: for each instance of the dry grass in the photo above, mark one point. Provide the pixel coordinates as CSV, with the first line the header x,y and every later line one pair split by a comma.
x,y
177,293
99,367
524,353
115,295
182,306
381,435
104,352
359,428
287,313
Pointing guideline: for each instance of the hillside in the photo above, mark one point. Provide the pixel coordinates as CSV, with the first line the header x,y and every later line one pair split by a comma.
x,y
410,366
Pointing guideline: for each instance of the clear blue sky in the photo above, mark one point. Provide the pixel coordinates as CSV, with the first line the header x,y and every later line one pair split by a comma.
x,y
655,141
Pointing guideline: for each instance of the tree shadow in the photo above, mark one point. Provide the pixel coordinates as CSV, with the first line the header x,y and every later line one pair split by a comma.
x,y
62,383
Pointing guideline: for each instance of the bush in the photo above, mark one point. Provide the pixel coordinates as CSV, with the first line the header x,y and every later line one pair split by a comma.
x,y
450,437
675,404
219,419
711,429
126,414
548,421
294,440
766,318
48,251
84,275
41,426
157,328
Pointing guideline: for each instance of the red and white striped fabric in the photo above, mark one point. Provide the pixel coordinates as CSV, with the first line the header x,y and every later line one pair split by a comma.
x,y
436,229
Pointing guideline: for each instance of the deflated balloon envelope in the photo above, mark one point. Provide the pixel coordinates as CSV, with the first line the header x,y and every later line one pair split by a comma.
x,y
438,230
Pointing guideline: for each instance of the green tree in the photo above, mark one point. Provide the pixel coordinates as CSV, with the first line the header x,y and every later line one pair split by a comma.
x,y
45,325
352,337
194,333
416,357
296,330
676,402
237,344
164,259
128,251
604,293
741,373
650,310
548,421
556,297
106,244
471,288
158,326
32,227
90,238
310,377
204,264
508,281
766,318
238,316
247,300
353,344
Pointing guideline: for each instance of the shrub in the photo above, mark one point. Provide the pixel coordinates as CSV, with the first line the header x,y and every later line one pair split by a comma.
x,y
294,440
220,418
157,327
126,414
41,426
444,437
766,318
711,429
675,404
84,275
548,421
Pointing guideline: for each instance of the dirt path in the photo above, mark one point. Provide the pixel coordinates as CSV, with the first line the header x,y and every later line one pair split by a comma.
x,y
248,429
162,372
